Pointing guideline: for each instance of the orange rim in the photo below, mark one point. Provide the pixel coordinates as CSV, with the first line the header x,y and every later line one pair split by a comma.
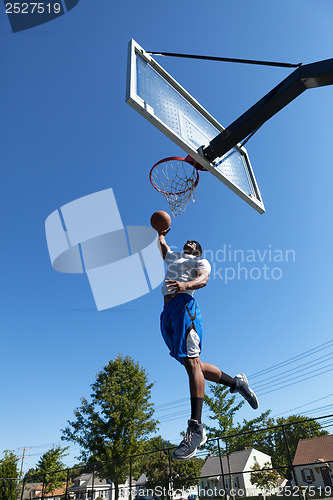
x,y
175,158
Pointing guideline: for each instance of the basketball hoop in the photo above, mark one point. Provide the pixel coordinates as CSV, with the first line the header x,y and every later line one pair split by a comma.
x,y
176,178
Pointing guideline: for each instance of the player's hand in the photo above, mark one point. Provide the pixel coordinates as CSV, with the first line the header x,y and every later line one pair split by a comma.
x,y
164,232
175,287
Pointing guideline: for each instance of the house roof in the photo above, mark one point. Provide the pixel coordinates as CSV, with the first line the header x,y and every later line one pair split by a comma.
x,y
142,480
314,449
86,481
237,460
55,493
28,487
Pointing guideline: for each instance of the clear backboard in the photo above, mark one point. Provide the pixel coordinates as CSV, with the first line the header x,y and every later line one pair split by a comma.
x,y
168,106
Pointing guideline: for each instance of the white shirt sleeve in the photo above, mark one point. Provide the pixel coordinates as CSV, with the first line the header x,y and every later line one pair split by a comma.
x,y
204,264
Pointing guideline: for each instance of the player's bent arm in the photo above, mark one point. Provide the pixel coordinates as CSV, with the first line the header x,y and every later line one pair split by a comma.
x,y
162,243
199,282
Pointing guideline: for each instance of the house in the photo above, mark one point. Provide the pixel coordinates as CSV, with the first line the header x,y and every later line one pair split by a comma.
x,y
236,474
141,490
313,462
124,489
35,490
84,484
30,490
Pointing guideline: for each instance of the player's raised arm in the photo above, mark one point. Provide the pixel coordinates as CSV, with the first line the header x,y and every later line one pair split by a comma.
x,y
161,222
162,243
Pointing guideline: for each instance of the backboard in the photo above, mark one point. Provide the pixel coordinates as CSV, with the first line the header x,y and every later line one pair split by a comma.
x,y
168,106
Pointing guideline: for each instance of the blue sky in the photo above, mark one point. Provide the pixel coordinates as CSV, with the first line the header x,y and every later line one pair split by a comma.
x,y
67,132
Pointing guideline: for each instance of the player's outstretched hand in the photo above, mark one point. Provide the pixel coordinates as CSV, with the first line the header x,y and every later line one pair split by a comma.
x,y
175,287
164,232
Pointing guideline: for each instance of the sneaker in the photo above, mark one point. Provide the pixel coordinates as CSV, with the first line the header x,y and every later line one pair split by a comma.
x,y
242,386
195,436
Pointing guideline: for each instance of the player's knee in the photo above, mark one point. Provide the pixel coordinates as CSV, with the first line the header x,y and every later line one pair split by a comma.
x,y
192,364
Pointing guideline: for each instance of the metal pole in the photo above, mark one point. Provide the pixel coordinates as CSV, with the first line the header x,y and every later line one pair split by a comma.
x,y
304,77
130,491
228,59
231,489
291,462
92,483
23,485
170,477
44,481
67,481
220,457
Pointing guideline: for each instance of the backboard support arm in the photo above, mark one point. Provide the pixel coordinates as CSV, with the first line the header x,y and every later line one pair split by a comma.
x,y
312,75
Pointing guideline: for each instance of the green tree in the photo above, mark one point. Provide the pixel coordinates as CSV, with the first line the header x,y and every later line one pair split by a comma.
x,y
50,469
264,479
295,427
9,475
256,433
116,422
168,475
263,432
223,407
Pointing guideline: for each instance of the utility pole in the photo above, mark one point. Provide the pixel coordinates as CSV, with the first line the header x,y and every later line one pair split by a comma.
x,y
23,457
21,471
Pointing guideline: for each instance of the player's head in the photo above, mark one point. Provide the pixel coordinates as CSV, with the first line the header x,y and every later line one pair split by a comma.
x,y
193,248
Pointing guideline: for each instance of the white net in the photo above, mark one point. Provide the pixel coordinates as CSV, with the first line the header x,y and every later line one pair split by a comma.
x,y
176,179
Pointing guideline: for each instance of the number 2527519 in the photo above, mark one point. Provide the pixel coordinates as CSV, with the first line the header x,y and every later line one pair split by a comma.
x,y
32,8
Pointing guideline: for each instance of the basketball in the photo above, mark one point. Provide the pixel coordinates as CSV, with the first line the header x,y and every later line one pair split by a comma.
x,y
160,221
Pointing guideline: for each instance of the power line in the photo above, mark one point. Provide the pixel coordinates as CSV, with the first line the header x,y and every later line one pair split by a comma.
x,y
290,377
302,406
184,402
314,350
321,409
297,369
295,382
171,403
178,415
291,360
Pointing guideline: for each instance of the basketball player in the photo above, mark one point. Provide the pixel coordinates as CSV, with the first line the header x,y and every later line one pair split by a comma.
x,y
182,332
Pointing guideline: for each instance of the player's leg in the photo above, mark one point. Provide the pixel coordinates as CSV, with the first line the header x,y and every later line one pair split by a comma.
x,y
188,334
197,386
214,374
237,384
180,338
195,435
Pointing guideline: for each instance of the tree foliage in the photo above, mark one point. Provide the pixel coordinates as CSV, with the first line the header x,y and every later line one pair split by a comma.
x,y
117,421
164,472
256,433
264,477
223,407
9,475
295,427
264,433
50,469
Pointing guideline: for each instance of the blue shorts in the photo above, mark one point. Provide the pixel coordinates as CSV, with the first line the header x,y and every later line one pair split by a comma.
x,y
181,327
